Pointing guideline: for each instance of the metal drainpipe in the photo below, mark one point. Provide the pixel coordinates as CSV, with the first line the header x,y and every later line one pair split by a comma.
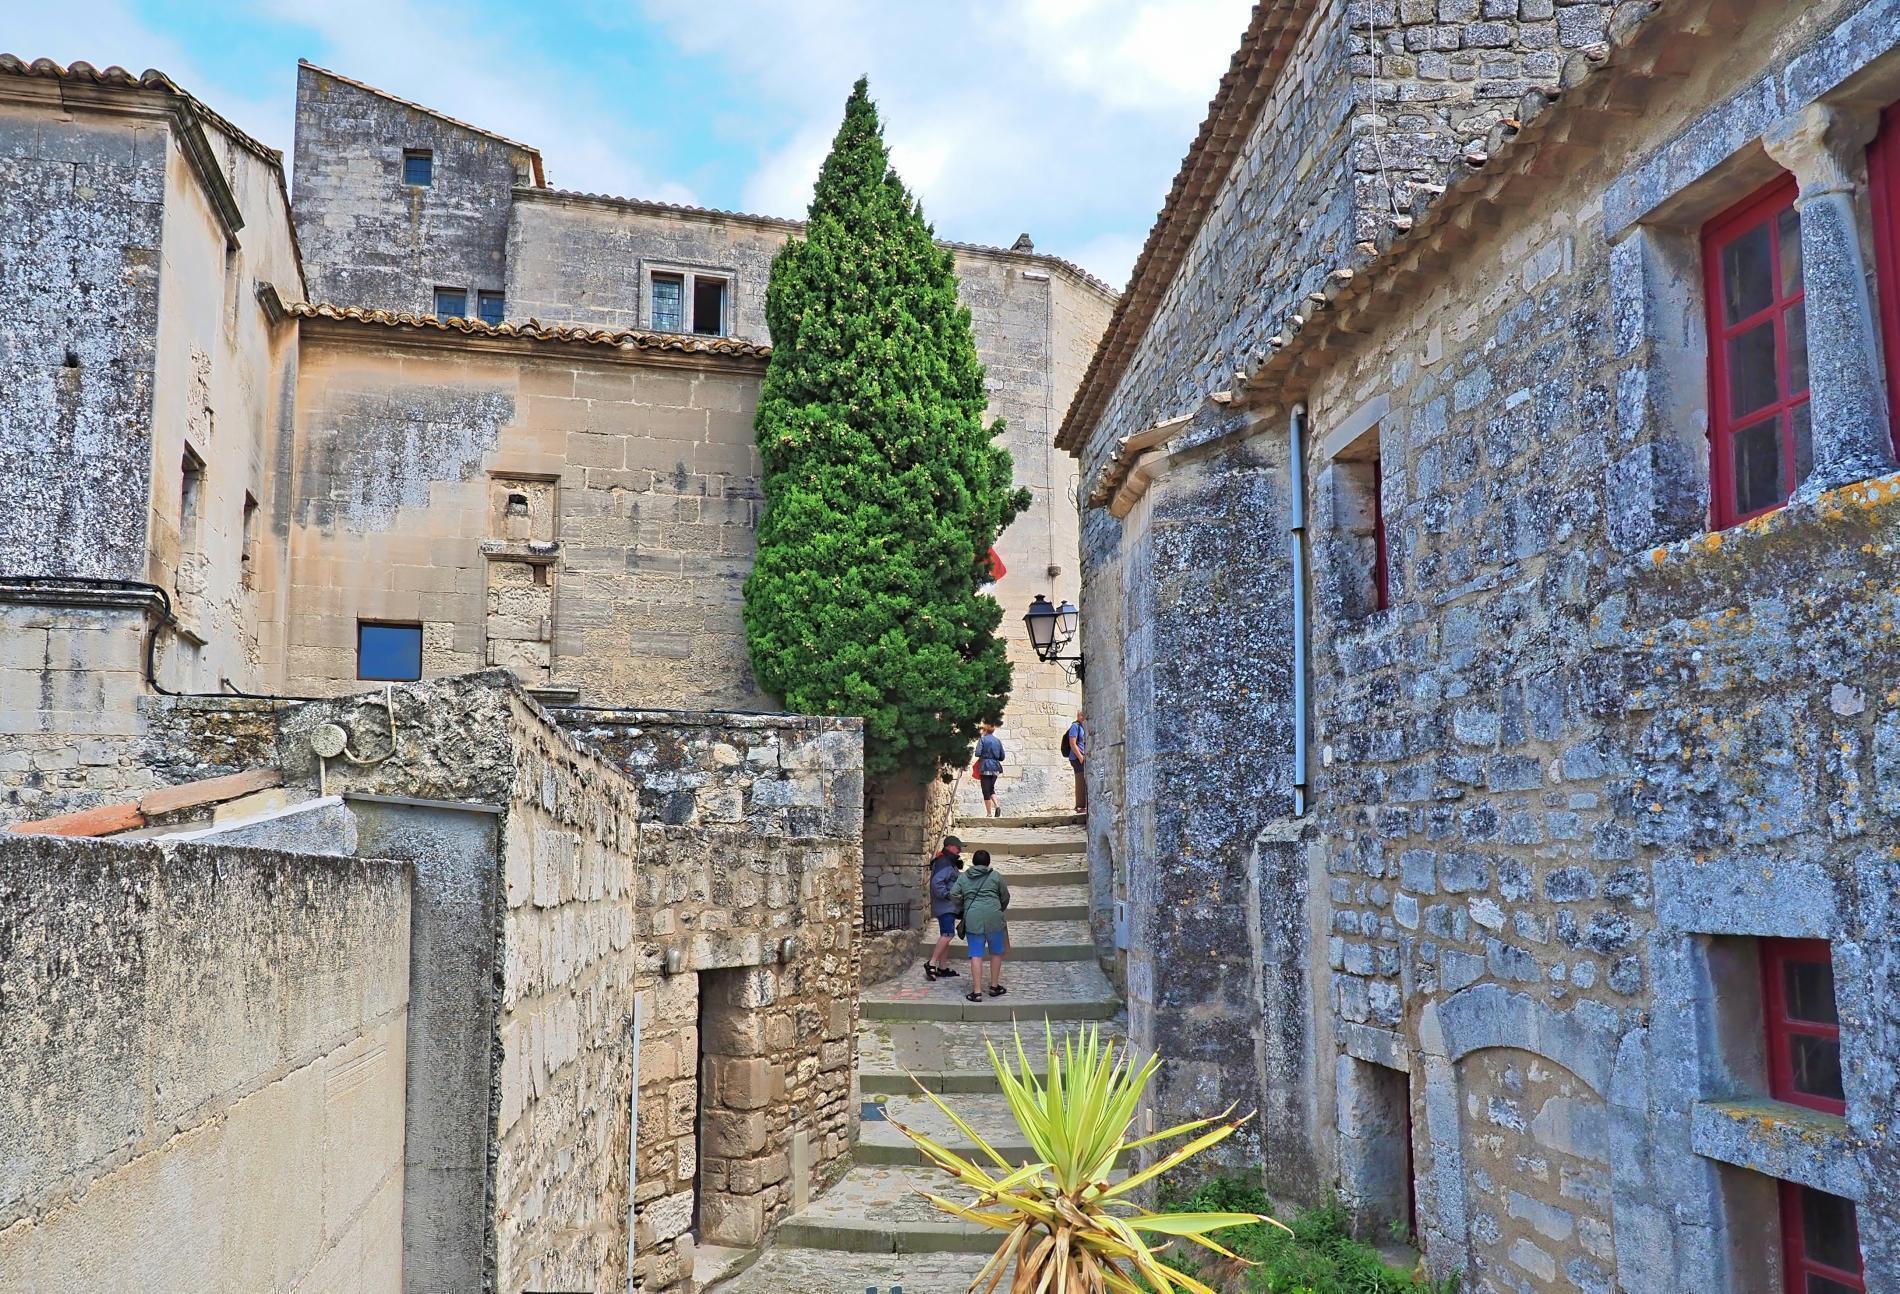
x,y
1296,477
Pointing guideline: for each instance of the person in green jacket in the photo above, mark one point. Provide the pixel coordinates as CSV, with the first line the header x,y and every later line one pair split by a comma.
x,y
981,894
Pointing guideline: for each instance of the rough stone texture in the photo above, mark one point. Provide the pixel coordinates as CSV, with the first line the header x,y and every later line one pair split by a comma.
x,y
146,1142
371,240
1589,755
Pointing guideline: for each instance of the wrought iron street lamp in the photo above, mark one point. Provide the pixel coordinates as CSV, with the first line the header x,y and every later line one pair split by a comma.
x,y
1051,629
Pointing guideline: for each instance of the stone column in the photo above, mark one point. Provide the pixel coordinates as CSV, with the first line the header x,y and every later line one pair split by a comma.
x,y
1825,148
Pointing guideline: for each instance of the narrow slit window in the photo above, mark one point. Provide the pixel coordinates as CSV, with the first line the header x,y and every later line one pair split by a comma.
x,y
1804,1029
451,303
1381,577
490,307
669,300
247,539
388,653
709,307
1820,1241
1758,356
191,485
418,167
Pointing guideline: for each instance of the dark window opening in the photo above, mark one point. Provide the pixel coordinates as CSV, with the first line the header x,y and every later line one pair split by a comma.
x,y
709,307
1883,177
517,505
1758,355
418,167
1381,580
489,307
451,303
1804,1029
191,483
668,301
247,539
388,653
1820,1241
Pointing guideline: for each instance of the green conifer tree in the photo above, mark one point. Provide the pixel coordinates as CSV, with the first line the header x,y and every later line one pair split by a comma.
x,y
884,489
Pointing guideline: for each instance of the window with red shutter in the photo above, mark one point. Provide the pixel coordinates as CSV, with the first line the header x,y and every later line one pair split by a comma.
x,y
1820,1243
1758,355
1804,1032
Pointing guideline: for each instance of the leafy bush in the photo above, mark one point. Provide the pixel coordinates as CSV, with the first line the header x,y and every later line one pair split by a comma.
x,y
1318,1256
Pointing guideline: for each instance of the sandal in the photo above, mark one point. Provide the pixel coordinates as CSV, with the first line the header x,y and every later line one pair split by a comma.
x,y
946,972
973,997
997,990
930,972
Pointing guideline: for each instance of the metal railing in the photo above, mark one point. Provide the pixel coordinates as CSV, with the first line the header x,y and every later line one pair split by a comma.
x,y
886,916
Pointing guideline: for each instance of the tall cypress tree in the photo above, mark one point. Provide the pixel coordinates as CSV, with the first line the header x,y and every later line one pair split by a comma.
x,y
884,488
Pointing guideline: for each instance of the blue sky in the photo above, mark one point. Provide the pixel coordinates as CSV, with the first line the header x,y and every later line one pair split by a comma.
x,y
1062,118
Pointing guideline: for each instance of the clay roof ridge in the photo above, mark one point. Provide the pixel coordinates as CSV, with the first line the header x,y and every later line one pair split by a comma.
x,y
534,330
540,178
790,222
1512,148
83,72
1242,93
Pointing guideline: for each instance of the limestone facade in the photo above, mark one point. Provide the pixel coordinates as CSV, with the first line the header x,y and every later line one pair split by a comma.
x,y
1489,868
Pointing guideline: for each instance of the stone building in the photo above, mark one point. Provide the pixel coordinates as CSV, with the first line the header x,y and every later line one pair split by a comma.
x,y
434,416
1488,547
430,991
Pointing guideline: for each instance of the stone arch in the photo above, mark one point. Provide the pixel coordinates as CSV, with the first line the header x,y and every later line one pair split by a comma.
x,y
1522,1134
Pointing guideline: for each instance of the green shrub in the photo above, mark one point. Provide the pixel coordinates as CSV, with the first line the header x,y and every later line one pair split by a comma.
x,y
1319,1257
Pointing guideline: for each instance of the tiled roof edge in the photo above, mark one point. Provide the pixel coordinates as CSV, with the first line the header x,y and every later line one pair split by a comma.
x,y
150,79
540,178
535,330
795,225
1437,223
1243,92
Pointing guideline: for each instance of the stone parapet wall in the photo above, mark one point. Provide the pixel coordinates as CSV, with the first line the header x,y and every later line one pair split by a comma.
x,y
140,1131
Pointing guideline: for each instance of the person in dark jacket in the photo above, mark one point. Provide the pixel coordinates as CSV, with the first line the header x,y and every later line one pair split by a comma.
x,y
1075,745
981,896
943,906
989,763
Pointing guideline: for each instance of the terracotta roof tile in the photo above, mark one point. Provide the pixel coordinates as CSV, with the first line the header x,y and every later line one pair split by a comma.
x,y
149,79
1243,92
797,226
534,154
534,330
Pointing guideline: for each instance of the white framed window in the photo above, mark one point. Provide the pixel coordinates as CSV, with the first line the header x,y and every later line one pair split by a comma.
x,y
691,301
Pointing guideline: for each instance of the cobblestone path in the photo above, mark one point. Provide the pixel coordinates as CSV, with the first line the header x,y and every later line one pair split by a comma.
x,y
874,1230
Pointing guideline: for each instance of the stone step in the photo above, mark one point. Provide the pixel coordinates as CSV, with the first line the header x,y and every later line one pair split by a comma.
x,y
950,1057
782,1269
1022,842
881,1209
1068,990
1040,821
1075,948
879,1141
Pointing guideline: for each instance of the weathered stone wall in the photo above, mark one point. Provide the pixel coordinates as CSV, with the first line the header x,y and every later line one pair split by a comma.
x,y
369,239
576,258
904,826
1377,98
139,1131
79,271
1593,751
643,494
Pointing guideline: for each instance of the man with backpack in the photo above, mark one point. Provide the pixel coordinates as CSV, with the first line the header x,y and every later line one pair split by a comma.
x,y
981,895
1075,747
989,763
943,905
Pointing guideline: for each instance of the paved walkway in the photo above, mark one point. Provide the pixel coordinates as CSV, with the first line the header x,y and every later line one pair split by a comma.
x,y
874,1229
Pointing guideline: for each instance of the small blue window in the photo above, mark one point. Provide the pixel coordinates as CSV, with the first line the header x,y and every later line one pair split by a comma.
x,y
418,167
388,653
490,307
451,303
669,292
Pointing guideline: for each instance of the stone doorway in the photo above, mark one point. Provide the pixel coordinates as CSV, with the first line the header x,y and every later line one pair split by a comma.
x,y
737,1088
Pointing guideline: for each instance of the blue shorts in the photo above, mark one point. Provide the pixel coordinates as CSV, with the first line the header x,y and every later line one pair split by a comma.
x,y
989,945
947,924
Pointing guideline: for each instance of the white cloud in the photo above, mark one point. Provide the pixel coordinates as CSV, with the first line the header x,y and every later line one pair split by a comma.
x,y
1062,118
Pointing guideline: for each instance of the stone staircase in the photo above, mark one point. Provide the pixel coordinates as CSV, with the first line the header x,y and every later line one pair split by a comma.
x,y
874,1230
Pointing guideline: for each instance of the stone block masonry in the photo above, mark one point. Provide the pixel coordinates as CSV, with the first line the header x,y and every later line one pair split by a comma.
x,y
130,1107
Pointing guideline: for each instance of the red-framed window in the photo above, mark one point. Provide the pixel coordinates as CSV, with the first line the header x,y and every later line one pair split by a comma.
x,y
1804,1030
1758,355
1883,179
1820,1243
1381,577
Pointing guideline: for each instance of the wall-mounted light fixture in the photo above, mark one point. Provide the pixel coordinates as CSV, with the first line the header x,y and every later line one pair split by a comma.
x,y
1051,628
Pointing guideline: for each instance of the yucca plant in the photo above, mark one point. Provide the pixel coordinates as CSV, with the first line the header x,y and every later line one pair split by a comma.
x,y
1069,1227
